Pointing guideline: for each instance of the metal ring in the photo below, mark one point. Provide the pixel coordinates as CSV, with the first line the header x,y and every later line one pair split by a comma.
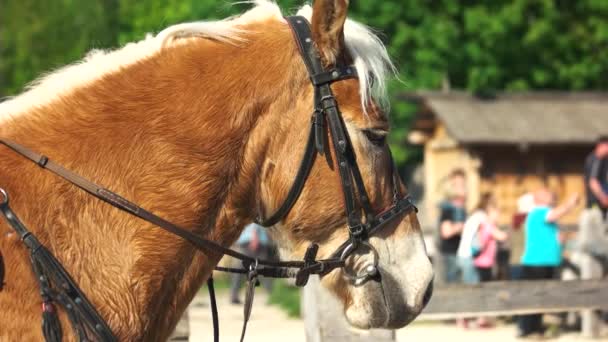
x,y
254,266
370,270
4,196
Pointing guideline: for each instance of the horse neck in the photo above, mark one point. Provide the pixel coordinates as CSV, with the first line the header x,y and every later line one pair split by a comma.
x,y
178,142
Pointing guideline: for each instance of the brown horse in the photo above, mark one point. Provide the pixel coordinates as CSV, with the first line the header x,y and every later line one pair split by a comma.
x,y
204,125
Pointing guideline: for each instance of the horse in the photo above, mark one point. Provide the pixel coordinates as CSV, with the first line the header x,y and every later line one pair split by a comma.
x,y
203,125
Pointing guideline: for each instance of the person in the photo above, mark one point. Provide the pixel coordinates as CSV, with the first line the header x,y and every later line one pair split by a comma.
x,y
596,189
542,251
596,176
465,248
469,232
488,234
451,223
254,242
525,203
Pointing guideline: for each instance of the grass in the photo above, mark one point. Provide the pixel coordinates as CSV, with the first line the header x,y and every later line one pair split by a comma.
x,y
286,297
220,284
283,295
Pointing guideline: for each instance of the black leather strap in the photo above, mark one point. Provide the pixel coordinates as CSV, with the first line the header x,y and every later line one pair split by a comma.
x,y
252,282
316,137
326,107
306,164
214,315
121,203
1,272
334,75
79,309
49,271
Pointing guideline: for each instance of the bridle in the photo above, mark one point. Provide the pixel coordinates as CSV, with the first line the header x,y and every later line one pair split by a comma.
x,y
361,219
58,287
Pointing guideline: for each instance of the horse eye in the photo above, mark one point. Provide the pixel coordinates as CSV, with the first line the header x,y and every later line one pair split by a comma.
x,y
378,139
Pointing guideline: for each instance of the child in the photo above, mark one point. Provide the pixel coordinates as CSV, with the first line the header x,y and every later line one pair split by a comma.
x,y
488,234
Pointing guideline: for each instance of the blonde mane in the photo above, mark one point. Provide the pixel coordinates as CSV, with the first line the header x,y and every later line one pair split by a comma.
x,y
369,53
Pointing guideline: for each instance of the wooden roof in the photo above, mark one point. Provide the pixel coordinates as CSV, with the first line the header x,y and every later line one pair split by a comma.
x,y
515,118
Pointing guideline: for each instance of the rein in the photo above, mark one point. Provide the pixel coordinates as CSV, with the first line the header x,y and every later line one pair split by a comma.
x,y
58,287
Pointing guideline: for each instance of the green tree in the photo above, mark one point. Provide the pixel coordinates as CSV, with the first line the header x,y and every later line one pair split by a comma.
x,y
38,36
476,45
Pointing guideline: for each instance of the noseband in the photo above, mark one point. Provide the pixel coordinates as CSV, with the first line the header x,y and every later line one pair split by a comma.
x,y
58,287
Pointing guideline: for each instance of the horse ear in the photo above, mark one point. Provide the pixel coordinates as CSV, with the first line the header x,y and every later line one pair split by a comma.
x,y
328,17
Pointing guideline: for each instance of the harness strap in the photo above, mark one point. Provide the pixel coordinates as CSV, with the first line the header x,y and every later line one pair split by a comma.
x,y
1,271
319,77
214,315
49,273
71,297
123,204
296,187
252,282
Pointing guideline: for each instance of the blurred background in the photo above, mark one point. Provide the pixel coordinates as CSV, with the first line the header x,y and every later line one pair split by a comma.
x,y
510,95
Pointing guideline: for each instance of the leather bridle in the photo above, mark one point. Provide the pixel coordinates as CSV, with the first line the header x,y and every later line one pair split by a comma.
x,y
58,287
361,219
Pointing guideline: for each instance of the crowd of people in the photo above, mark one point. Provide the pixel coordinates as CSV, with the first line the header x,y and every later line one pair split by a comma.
x,y
469,243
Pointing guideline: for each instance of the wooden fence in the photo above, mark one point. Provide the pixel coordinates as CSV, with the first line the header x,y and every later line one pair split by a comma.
x,y
325,321
516,297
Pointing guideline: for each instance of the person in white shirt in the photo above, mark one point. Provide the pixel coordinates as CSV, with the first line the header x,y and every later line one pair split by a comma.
x,y
465,248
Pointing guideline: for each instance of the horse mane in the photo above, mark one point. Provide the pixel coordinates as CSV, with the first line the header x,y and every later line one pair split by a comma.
x,y
370,57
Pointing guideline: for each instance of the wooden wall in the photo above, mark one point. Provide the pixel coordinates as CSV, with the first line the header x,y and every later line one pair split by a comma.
x,y
508,171
442,155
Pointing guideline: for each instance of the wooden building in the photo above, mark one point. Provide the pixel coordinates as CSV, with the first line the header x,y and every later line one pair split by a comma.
x,y
508,144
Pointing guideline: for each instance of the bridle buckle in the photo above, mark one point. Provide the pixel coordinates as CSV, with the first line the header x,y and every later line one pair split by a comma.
x,y
4,198
370,271
357,231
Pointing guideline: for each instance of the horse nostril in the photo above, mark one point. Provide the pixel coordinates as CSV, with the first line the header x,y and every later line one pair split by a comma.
x,y
428,294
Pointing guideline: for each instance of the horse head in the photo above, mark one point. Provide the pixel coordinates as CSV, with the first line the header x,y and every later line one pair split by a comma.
x,y
403,283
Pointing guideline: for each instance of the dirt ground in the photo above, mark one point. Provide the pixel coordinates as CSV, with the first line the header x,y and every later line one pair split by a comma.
x,y
268,324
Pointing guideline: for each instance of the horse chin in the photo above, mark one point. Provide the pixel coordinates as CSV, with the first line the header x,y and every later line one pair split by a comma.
x,y
386,302
379,305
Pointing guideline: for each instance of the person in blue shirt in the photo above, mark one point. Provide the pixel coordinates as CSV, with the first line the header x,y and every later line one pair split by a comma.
x,y
254,242
543,251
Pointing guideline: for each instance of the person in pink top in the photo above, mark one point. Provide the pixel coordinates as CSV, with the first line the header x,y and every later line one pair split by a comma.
x,y
488,234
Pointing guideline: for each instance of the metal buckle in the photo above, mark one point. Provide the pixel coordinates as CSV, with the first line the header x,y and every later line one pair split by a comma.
x,y
370,271
253,268
332,102
356,231
252,274
4,197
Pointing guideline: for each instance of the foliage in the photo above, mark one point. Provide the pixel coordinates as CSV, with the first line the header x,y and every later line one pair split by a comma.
x,y
477,45
36,36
